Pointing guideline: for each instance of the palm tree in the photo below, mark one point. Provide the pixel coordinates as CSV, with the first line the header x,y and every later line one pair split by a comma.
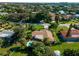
x,y
57,18
68,33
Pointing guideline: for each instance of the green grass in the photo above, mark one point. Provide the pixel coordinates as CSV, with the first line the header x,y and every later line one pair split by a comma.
x,y
38,27
66,45
17,54
56,38
63,45
61,28
3,51
73,21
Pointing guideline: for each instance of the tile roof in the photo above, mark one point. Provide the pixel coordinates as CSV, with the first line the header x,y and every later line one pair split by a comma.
x,y
73,34
45,33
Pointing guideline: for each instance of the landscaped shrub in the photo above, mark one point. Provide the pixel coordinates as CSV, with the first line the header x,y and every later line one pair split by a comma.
x,y
71,52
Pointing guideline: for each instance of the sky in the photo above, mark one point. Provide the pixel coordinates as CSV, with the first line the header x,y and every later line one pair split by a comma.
x,y
39,1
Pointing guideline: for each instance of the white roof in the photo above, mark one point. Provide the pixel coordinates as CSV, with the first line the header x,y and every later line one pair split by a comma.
x,y
76,15
6,33
62,12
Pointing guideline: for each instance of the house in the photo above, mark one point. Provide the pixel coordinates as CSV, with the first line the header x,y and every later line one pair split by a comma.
x,y
62,12
52,15
62,15
43,34
72,36
76,15
7,35
67,17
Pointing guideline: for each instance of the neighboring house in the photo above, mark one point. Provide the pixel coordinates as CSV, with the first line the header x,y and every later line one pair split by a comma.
x,y
62,12
76,15
52,15
73,36
67,17
7,35
42,34
63,15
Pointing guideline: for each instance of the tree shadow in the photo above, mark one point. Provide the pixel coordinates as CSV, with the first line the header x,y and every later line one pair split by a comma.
x,y
27,50
59,36
60,40
57,43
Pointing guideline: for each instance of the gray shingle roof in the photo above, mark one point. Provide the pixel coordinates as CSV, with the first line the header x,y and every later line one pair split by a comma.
x,y
6,33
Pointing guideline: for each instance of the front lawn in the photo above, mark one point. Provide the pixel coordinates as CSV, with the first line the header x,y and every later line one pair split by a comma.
x,y
56,37
65,45
18,54
3,51
38,27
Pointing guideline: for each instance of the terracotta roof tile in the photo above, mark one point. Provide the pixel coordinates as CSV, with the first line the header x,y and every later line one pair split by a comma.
x,y
72,33
45,33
